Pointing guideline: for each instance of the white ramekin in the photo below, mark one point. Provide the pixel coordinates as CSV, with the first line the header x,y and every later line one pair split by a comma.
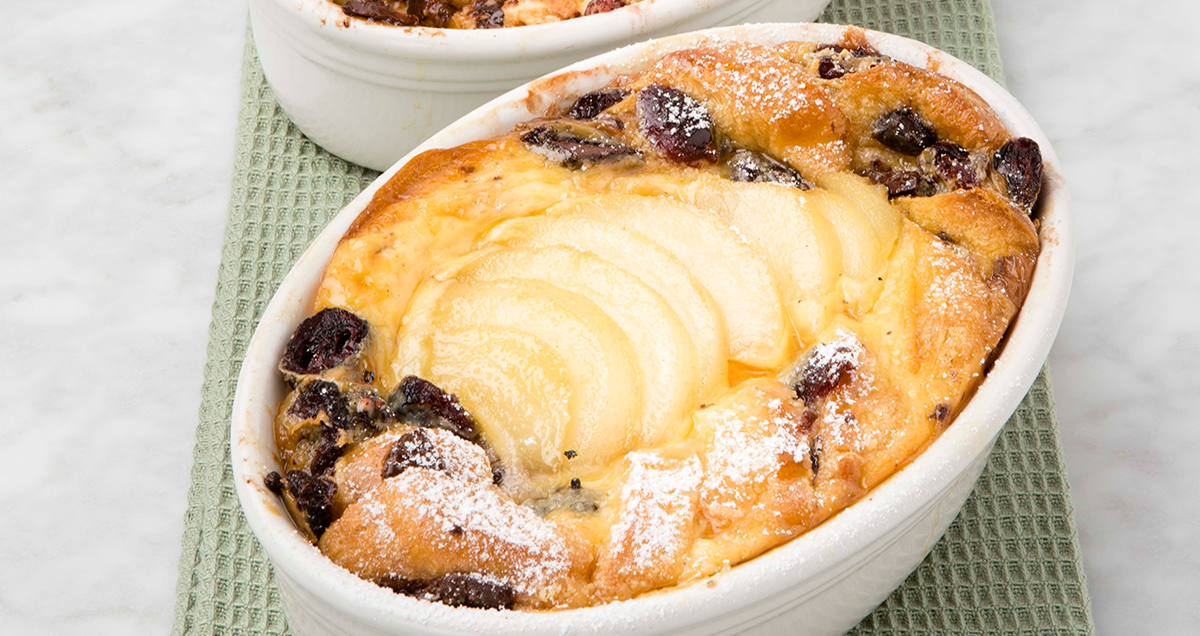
x,y
824,581
370,92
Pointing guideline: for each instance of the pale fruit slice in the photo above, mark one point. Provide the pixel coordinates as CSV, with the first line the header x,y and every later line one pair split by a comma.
x,y
416,330
666,357
868,227
860,283
786,226
738,278
606,390
860,248
872,201
517,388
415,333
653,265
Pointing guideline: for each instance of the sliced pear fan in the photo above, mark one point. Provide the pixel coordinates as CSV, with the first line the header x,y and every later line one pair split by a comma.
x,y
736,276
868,227
787,227
653,265
606,390
516,386
665,355
871,198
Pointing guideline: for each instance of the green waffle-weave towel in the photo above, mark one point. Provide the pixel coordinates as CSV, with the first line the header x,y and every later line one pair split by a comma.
x,y
1008,565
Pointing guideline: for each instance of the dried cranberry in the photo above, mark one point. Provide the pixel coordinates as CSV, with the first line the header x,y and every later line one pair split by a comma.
x,y
904,131
754,167
319,397
434,13
596,102
455,590
831,67
860,50
378,11
901,183
824,367
415,397
953,164
401,585
470,590
314,497
603,6
438,14
575,151
487,14
677,124
274,482
325,455
324,341
1020,163
414,449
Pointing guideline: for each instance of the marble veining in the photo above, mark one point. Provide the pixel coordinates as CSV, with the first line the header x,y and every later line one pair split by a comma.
x,y
1116,87
115,162
116,152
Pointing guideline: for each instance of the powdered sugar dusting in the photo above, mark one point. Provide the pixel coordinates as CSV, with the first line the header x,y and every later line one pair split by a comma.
x,y
659,498
748,443
761,81
846,350
531,552
841,429
685,117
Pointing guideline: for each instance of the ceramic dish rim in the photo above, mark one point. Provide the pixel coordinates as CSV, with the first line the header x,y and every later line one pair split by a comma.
x,y
325,19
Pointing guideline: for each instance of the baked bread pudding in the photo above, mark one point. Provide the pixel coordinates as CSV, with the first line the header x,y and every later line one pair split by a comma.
x,y
474,14
632,344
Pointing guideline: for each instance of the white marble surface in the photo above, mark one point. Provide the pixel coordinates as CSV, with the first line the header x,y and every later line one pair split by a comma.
x,y
115,159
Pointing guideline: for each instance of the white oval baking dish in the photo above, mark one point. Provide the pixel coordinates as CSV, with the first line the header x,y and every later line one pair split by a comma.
x,y
822,582
369,93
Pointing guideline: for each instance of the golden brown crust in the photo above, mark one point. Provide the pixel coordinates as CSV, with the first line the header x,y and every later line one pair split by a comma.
x,y
424,172
424,524
358,472
648,546
758,96
956,112
999,236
